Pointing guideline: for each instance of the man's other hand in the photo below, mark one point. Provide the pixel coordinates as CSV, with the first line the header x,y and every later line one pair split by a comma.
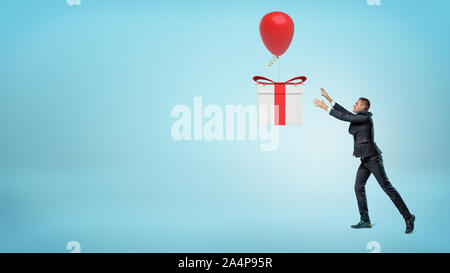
x,y
320,103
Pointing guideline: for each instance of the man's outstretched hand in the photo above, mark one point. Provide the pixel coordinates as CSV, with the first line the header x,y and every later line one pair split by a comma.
x,y
325,94
321,104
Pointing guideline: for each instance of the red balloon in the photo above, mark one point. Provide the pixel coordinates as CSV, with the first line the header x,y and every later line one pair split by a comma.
x,y
276,29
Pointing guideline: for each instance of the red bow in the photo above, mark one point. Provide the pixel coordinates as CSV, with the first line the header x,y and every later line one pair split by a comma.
x,y
258,78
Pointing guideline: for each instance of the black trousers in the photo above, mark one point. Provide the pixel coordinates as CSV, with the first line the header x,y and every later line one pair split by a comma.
x,y
374,164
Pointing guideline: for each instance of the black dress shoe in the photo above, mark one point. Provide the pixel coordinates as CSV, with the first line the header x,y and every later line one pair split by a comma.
x,y
410,224
362,224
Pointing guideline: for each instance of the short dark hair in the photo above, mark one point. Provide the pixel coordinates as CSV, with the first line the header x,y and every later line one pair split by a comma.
x,y
366,103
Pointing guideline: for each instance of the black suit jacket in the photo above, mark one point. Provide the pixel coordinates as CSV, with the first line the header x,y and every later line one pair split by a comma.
x,y
361,127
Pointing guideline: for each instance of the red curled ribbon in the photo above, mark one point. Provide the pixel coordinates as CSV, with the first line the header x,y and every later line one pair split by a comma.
x,y
280,95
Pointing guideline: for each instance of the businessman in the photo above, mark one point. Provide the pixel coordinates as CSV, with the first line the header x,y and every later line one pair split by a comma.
x,y
365,148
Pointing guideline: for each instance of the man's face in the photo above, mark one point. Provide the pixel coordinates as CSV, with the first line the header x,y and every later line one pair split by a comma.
x,y
358,106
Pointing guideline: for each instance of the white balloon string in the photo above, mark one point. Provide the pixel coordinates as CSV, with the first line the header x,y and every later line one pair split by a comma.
x,y
272,61
279,68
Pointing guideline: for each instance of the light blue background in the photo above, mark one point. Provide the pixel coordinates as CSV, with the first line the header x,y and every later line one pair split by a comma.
x,y
86,152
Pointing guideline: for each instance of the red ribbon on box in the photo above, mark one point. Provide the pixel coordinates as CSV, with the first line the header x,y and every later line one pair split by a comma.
x,y
280,95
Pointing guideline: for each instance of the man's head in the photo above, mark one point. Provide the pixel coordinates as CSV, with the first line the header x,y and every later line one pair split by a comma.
x,y
361,104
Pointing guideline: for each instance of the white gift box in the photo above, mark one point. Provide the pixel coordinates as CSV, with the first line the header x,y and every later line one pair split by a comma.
x,y
279,103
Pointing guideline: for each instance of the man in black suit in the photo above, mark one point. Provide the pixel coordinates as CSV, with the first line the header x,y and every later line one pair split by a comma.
x,y
361,127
